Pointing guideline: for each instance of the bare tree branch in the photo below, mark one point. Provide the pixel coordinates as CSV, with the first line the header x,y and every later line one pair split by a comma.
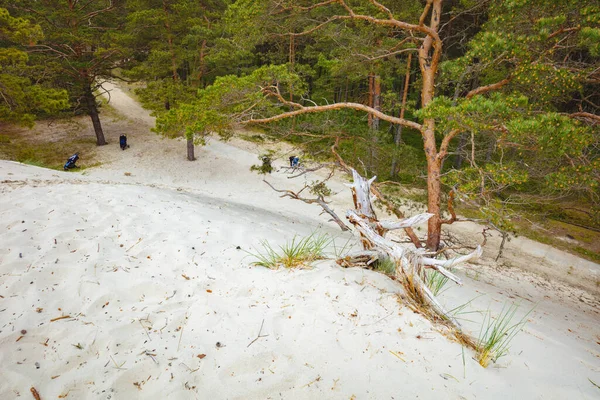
x,y
319,200
336,106
587,116
487,88
424,13
382,8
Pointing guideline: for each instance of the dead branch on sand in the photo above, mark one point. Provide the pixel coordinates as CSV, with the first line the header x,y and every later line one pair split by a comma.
x,y
410,264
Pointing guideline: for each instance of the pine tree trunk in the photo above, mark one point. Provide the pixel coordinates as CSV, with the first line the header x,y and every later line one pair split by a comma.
x,y
434,191
190,149
428,68
92,109
370,101
202,66
376,99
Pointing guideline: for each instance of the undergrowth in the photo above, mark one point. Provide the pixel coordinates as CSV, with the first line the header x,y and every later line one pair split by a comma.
x,y
295,253
387,266
496,334
435,281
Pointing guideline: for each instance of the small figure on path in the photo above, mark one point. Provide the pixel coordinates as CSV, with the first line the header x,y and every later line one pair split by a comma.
x,y
71,162
123,142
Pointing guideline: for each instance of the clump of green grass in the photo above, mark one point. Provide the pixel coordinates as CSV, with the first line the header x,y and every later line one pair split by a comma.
x,y
496,334
386,265
295,253
434,281
266,167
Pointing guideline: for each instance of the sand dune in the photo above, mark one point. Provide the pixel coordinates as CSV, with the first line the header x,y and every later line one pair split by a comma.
x,y
133,287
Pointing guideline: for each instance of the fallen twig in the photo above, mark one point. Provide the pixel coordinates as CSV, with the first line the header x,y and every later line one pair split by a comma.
x,y
180,336
171,296
151,355
136,243
35,394
259,334
63,317
397,355
145,330
117,366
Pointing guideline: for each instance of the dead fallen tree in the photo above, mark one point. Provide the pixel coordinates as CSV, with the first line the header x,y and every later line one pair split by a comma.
x,y
410,264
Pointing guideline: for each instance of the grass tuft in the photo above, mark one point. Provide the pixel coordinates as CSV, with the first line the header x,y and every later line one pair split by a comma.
x,y
387,266
434,281
496,334
298,252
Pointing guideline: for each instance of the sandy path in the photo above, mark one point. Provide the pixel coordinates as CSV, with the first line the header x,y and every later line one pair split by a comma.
x,y
148,270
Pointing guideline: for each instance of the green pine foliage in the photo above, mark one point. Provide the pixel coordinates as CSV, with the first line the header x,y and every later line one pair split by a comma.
x,y
22,99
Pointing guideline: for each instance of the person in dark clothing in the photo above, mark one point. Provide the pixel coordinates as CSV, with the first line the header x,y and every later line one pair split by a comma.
x,y
123,142
294,161
71,162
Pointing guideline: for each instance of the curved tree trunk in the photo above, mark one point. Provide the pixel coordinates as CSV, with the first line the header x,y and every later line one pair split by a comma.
x,y
434,194
429,66
92,109
190,149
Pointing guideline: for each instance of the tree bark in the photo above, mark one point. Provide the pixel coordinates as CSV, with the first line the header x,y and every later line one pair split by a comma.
x,y
376,100
202,66
190,149
370,101
428,64
92,109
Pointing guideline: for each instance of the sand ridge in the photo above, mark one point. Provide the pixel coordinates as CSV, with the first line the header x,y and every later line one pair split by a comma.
x,y
133,287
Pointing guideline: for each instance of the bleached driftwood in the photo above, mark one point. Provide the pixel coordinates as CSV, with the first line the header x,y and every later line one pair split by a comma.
x,y
410,263
364,259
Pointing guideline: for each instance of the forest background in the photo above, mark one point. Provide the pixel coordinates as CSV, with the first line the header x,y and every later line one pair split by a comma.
x,y
487,107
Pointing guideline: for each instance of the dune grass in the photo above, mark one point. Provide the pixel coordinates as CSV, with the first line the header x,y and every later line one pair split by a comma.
x,y
295,253
387,266
434,281
496,334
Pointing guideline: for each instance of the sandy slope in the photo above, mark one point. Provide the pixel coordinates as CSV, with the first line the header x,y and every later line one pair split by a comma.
x,y
147,269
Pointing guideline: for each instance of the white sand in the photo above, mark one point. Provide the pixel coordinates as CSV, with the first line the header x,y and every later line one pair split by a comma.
x,y
114,253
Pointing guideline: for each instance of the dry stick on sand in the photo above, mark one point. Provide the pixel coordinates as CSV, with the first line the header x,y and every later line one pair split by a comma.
x,y
117,366
145,330
35,393
259,334
136,243
63,317
180,336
